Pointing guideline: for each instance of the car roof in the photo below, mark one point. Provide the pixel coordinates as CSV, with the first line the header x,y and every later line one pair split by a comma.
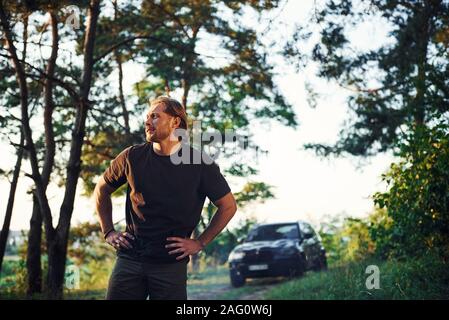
x,y
283,222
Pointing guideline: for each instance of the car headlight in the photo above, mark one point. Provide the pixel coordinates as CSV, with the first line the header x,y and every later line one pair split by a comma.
x,y
236,255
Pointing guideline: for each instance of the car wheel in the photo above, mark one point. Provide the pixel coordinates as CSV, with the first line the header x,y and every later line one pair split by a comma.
x,y
237,280
323,263
297,271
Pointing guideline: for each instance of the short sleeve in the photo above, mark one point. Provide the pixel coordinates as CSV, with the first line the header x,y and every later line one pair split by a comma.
x,y
213,184
115,174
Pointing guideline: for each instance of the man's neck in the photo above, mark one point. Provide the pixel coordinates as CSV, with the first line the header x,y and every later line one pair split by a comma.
x,y
166,148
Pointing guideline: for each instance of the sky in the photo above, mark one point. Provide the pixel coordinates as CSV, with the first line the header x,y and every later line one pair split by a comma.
x,y
306,187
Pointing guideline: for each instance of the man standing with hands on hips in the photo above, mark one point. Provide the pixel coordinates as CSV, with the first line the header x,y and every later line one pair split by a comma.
x,y
164,202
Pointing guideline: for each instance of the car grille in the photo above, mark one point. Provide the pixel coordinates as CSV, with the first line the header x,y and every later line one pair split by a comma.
x,y
260,255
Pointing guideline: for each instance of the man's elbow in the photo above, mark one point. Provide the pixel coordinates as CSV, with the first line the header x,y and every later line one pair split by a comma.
x,y
227,205
102,189
231,205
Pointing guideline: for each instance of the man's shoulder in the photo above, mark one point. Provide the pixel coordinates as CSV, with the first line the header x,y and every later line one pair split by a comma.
x,y
135,150
139,147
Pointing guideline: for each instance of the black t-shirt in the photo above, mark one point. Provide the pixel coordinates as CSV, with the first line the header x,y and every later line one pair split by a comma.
x,y
174,196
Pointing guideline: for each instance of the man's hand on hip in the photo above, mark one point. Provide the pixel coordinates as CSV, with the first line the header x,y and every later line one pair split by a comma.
x,y
185,246
119,239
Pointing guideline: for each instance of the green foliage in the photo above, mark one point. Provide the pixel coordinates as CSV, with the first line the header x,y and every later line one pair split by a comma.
x,y
87,246
380,232
346,240
13,281
13,278
418,198
252,192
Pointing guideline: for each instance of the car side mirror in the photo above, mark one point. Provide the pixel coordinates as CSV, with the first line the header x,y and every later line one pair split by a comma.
x,y
308,235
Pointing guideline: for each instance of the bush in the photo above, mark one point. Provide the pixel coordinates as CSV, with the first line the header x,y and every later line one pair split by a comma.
x,y
417,201
346,240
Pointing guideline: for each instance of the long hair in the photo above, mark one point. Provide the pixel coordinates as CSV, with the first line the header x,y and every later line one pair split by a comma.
x,y
173,108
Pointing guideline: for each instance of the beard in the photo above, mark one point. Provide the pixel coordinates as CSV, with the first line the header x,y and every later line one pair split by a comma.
x,y
157,135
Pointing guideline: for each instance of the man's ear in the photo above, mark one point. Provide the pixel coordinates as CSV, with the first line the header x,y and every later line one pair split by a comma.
x,y
176,122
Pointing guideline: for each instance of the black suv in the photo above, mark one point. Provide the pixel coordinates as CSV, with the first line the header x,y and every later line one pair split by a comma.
x,y
277,249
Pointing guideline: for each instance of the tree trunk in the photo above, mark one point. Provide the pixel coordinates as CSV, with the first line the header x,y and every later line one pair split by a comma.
x,y
33,261
12,192
185,94
35,233
121,95
422,48
118,60
57,245
188,67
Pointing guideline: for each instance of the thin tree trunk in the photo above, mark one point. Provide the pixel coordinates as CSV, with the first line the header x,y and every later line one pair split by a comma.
x,y
118,60
185,94
57,247
422,48
12,192
34,252
121,95
35,233
187,67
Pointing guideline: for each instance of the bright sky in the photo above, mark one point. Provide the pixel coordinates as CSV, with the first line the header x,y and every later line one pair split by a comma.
x,y
306,187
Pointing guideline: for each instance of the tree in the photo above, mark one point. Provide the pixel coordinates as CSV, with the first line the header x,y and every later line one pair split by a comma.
x,y
56,237
402,83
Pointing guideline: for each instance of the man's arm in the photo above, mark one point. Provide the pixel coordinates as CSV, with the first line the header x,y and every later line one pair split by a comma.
x,y
103,205
227,207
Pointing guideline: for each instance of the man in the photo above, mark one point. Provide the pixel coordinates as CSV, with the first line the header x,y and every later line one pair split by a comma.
x,y
164,202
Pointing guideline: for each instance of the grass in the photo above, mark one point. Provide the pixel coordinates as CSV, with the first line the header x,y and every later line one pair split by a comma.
x,y
425,278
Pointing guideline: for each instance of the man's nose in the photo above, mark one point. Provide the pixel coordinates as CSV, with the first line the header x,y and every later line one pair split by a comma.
x,y
150,126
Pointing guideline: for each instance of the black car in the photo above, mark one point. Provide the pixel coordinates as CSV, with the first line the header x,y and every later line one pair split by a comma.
x,y
277,249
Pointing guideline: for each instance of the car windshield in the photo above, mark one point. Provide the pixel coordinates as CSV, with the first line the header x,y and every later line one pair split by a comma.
x,y
273,232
